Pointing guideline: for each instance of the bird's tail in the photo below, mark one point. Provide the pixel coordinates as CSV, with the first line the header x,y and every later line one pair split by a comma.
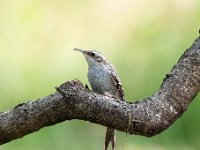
x,y
110,137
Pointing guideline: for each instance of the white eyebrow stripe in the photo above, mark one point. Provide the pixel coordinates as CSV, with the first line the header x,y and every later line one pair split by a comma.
x,y
95,52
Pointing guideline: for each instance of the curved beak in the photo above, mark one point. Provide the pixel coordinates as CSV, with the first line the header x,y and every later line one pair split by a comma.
x,y
79,50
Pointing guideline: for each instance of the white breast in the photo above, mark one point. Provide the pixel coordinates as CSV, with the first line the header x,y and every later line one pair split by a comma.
x,y
100,80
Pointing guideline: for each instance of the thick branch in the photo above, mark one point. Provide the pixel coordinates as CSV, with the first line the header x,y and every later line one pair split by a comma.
x,y
147,117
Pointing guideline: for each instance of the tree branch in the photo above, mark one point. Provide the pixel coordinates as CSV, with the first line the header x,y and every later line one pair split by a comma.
x,y
146,117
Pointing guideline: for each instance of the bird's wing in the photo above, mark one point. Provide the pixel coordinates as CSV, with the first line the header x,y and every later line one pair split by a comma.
x,y
117,83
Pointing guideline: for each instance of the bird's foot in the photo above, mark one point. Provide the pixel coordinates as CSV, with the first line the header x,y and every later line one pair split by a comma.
x,y
108,94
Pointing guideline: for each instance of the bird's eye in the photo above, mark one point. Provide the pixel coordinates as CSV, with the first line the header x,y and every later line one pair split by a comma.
x,y
93,54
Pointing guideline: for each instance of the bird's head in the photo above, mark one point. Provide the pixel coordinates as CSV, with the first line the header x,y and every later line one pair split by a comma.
x,y
93,57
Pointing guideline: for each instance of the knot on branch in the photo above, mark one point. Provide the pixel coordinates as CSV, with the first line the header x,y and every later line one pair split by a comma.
x,y
74,84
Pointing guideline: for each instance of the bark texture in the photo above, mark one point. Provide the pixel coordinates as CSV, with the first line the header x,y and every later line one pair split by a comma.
x,y
146,117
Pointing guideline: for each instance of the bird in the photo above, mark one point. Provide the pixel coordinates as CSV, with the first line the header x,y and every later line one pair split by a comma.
x,y
104,80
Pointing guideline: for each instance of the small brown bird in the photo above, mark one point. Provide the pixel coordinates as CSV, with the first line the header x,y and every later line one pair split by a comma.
x,y
104,80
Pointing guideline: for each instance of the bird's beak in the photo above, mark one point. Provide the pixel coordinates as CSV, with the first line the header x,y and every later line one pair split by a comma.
x,y
79,50
84,52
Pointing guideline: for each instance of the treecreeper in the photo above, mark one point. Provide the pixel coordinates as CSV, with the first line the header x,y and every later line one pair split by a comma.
x,y
104,80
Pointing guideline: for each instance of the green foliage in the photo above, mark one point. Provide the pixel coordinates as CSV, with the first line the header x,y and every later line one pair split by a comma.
x,y
143,39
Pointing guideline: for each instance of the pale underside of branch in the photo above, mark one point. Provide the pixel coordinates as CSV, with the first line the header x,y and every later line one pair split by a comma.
x,y
146,117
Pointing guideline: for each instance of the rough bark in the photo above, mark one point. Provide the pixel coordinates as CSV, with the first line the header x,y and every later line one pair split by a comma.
x,y
146,117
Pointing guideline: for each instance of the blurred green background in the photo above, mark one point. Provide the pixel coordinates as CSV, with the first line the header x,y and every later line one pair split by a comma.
x,y
143,39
